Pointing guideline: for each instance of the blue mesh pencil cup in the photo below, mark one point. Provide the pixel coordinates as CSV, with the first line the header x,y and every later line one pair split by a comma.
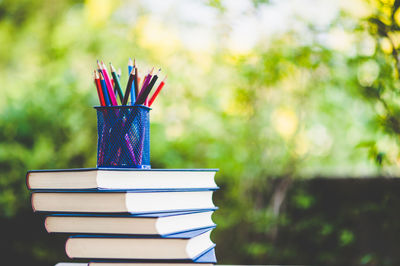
x,y
123,136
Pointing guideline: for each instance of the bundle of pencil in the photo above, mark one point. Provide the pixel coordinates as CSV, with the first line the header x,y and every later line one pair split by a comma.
x,y
109,89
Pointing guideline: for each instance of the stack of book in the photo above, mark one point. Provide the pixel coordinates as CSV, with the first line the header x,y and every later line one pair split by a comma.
x,y
129,216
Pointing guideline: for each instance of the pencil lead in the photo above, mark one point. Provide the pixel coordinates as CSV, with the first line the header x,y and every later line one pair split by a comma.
x,y
130,62
151,72
119,72
112,68
98,64
134,62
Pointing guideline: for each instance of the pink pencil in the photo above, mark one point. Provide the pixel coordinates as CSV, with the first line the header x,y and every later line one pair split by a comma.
x,y
103,68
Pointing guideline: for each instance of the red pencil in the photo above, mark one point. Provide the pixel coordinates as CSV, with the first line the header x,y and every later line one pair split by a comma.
x,y
154,96
98,87
103,68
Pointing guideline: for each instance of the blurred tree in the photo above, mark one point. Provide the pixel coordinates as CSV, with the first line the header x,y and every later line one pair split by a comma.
x,y
379,80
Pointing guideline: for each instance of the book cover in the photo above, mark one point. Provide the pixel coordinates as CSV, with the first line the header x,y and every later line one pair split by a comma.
x,y
117,178
151,224
122,202
187,246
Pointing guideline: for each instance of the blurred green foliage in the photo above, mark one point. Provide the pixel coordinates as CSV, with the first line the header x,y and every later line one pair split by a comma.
x,y
295,106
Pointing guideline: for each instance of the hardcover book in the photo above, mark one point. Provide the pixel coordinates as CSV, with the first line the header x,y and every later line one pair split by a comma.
x,y
134,202
157,224
117,178
188,246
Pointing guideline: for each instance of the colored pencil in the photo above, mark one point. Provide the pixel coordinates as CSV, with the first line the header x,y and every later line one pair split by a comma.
x,y
159,88
117,84
131,67
128,88
146,80
146,90
107,80
105,91
137,82
98,87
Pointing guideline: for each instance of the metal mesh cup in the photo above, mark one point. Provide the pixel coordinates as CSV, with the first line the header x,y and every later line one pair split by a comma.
x,y
123,136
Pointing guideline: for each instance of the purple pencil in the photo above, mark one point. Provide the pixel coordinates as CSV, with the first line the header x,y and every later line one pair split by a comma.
x,y
142,145
130,148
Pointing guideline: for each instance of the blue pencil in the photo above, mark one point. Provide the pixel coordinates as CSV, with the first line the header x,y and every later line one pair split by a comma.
x,y
104,88
130,68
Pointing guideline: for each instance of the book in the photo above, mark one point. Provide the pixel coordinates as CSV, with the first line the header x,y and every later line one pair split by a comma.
x,y
145,264
72,263
135,202
188,246
118,178
208,258
159,224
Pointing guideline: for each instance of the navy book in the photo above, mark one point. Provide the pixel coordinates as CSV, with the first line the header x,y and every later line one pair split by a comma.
x,y
120,179
208,258
160,224
191,246
122,201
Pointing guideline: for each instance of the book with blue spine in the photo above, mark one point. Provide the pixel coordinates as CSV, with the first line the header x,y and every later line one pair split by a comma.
x,y
122,201
120,178
159,224
208,258
191,246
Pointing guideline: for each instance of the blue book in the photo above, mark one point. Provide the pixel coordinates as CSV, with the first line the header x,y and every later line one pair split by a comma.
x,y
191,246
121,179
206,259
122,201
161,224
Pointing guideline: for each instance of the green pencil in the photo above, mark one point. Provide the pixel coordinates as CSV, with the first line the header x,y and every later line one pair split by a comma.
x,y
117,84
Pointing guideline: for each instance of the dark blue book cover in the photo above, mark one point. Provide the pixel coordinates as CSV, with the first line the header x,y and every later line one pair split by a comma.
x,y
145,215
120,179
181,235
206,256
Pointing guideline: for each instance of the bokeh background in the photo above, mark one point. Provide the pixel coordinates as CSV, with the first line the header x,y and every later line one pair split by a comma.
x,y
295,101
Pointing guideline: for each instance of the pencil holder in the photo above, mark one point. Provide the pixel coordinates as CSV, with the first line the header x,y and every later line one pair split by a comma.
x,y
123,136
